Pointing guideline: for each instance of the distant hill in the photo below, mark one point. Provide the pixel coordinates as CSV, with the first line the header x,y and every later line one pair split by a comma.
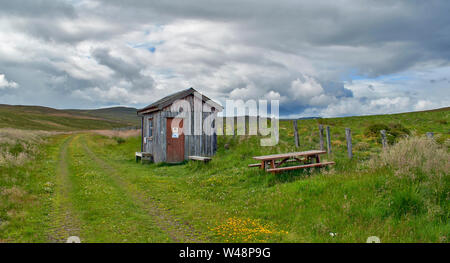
x,y
45,118
440,109
121,114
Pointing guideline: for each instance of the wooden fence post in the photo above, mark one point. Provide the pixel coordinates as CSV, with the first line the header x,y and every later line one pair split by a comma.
x,y
430,135
348,135
383,138
296,134
321,137
328,140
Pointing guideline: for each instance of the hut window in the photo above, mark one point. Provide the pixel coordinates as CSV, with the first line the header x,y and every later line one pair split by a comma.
x,y
150,127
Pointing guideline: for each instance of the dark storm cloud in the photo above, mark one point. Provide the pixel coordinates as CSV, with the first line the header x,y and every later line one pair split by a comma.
x,y
124,70
305,53
37,8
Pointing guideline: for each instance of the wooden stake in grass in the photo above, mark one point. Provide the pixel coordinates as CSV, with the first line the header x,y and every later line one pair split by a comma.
x,y
328,140
297,144
321,137
383,138
430,135
348,135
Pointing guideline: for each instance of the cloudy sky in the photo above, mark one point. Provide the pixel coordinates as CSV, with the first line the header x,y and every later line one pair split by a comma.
x,y
319,58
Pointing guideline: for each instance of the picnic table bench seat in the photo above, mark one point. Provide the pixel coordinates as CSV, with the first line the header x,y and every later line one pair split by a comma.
x,y
200,158
287,168
259,164
140,156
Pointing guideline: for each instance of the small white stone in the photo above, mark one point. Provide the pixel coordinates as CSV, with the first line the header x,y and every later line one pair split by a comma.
x,y
73,239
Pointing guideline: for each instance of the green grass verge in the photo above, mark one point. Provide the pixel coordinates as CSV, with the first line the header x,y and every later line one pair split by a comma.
x,y
26,194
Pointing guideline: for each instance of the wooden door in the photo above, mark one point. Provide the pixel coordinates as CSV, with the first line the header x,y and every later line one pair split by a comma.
x,y
174,140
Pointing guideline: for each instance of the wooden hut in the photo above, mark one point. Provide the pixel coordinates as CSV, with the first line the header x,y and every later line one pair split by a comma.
x,y
172,134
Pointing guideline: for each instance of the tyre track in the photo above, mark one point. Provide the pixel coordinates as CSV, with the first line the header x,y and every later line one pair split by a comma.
x,y
177,231
65,223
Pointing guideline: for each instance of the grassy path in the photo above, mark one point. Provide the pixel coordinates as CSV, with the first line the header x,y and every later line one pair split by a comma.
x,y
103,207
89,201
65,223
177,231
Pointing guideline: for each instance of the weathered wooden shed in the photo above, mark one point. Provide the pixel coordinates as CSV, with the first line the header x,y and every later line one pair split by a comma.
x,y
171,133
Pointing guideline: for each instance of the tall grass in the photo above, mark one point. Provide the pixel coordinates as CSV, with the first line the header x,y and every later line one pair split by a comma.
x,y
118,134
18,146
26,180
421,169
413,156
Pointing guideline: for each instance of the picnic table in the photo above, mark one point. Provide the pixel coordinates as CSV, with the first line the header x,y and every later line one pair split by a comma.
x,y
306,159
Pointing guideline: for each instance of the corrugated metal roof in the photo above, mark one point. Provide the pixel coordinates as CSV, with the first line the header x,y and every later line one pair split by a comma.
x,y
166,101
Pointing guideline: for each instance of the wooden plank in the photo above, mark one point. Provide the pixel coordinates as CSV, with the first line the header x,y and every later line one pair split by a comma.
x,y
142,133
285,155
348,136
162,137
186,142
214,143
192,139
208,144
296,134
205,145
208,136
203,151
299,167
276,163
200,158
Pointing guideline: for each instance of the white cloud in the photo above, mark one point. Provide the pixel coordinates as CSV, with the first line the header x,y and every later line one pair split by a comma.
x,y
354,106
425,105
306,89
272,95
4,83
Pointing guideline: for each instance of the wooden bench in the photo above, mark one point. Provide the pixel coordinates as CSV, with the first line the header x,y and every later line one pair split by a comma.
x,y
280,169
143,156
200,158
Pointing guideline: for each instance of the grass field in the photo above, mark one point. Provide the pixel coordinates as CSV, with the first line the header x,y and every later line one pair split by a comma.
x,y
88,184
